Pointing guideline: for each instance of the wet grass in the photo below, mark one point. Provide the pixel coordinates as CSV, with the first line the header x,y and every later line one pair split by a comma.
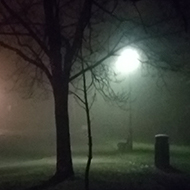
x,y
110,169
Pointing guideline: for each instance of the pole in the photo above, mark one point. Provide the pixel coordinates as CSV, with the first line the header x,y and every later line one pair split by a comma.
x,y
130,136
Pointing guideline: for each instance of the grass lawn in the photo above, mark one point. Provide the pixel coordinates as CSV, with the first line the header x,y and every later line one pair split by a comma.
x,y
110,170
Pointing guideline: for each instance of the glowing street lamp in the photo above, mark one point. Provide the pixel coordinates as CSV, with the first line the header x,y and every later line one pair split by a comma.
x,y
127,62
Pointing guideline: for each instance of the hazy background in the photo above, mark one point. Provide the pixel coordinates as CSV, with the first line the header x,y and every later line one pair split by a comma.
x,y
160,104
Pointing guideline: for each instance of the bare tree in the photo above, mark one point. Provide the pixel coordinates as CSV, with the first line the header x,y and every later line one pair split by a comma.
x,y
89,130
48,34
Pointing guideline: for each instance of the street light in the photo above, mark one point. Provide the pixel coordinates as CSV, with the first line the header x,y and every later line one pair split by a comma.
x,y
127,62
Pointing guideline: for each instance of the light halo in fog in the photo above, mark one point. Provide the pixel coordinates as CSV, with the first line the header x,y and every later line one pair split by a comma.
x,y
128,61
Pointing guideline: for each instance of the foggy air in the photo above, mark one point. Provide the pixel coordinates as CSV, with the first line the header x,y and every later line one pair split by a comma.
x,y
94,95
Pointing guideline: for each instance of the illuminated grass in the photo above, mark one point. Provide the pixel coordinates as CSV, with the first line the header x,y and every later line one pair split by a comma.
x,y
109,169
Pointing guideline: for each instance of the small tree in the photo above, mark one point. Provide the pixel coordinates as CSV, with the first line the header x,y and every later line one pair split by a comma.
x,y
87,110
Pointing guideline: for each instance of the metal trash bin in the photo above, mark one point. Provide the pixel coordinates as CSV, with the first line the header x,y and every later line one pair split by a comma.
x,y
162,156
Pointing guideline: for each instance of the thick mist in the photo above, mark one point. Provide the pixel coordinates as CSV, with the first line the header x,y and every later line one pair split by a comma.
x,y
159,104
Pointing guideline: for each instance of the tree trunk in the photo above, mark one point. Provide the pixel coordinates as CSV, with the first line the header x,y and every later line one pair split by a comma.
x,y
87,109
64,166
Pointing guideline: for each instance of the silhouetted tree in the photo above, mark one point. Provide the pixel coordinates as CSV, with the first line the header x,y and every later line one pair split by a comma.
x,y
89,130
48,34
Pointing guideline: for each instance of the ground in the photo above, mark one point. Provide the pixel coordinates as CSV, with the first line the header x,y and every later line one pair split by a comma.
x,y
110,170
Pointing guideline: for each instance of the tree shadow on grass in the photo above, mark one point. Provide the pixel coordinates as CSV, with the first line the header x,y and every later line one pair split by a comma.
x,y
44,185
169,169
167,179
173,179
52,182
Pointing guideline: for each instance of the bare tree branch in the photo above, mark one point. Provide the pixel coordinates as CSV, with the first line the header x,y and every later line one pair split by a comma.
x,y
26,26
26,58
76,95
81,25
134,3
14,33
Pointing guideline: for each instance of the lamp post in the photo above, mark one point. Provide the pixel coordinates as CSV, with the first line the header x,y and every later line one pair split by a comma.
x,y
128,62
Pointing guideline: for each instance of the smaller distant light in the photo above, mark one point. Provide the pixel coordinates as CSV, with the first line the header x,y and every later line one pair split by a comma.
x,y
128,61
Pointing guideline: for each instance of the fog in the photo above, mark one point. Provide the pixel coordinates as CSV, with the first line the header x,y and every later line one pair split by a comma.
x,y
159,101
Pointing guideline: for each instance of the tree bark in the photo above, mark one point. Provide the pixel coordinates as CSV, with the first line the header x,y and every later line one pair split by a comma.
x,y
64,166
60,83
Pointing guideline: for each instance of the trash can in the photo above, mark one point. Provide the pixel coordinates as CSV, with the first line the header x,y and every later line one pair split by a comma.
x,y
162,156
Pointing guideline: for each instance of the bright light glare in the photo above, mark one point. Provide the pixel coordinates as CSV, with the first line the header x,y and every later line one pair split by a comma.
x,y
128,61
